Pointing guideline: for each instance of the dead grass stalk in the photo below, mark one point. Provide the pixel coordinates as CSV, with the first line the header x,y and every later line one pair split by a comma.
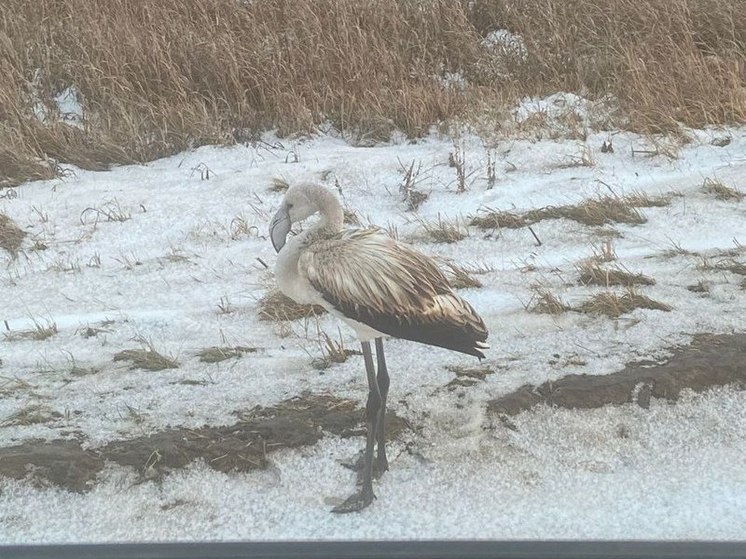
x,y
277,307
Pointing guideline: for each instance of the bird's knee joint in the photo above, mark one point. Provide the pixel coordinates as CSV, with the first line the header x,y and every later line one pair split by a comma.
x,y
373,405
383,383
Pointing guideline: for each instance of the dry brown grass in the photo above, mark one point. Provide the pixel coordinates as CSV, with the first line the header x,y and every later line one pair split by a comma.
x,y
279,185
613,305
594,212
39,332
31,415
216,354
598,211
11,236
591,273
160,76
277,307
544,301
666,62
496,219
722,191
723,265
444,230
332,352
412,197
13,385
147,358
604,252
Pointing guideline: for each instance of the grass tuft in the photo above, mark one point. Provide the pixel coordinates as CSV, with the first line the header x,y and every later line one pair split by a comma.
x,y
39,332
722,191
612,305
544,301
13,385
31,415
278,185
592,212
723,265
217,354
591,273
599,211
496,219
277,307
11,236
444,231
147,358
332,352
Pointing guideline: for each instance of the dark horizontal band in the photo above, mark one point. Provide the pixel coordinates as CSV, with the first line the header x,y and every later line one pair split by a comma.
x,y
386,550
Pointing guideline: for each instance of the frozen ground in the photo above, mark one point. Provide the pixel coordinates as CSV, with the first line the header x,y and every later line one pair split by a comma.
x,y
183,271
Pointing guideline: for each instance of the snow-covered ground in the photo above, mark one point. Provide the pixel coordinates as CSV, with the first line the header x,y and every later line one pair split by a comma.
x,y
183,271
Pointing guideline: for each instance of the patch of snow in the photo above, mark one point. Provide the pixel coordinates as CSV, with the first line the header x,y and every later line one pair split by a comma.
x,y
185,271
506,43
452,80
69,106
669,473
562,114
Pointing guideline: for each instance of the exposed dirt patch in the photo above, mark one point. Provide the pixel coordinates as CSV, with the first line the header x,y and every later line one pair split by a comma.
x,y
709,361
242,446
61,463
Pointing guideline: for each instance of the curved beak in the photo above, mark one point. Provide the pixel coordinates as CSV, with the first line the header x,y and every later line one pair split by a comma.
x,y
279,228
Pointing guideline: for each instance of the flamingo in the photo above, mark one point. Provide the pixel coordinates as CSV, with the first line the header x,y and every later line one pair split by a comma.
x,y
378,286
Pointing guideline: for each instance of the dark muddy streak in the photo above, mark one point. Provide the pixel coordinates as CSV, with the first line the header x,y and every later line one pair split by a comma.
x,y
707,362
242,447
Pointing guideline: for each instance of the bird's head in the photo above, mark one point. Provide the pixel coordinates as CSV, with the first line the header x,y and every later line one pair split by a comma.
x,y
300,202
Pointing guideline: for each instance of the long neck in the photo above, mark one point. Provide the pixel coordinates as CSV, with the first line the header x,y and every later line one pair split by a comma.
x,y
330,210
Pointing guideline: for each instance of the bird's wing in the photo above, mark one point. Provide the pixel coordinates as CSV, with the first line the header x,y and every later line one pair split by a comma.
x,y
392,288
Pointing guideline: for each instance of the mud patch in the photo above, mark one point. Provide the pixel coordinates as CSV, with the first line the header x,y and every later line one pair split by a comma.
x,y
241,447
709,361
61,463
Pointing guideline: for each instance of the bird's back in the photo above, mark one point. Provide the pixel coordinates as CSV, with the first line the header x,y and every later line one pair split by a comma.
x,y
370,278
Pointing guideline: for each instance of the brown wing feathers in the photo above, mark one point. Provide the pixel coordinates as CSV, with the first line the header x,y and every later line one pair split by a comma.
x,y
390,287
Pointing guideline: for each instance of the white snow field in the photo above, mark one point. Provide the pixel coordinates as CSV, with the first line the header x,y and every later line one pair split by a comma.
x,y
182,271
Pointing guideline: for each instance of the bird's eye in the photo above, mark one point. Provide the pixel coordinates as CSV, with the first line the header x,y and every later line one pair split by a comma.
x,y
290,206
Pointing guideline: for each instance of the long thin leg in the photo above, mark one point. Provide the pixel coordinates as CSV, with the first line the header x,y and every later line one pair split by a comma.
x,y
382,463
364,497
